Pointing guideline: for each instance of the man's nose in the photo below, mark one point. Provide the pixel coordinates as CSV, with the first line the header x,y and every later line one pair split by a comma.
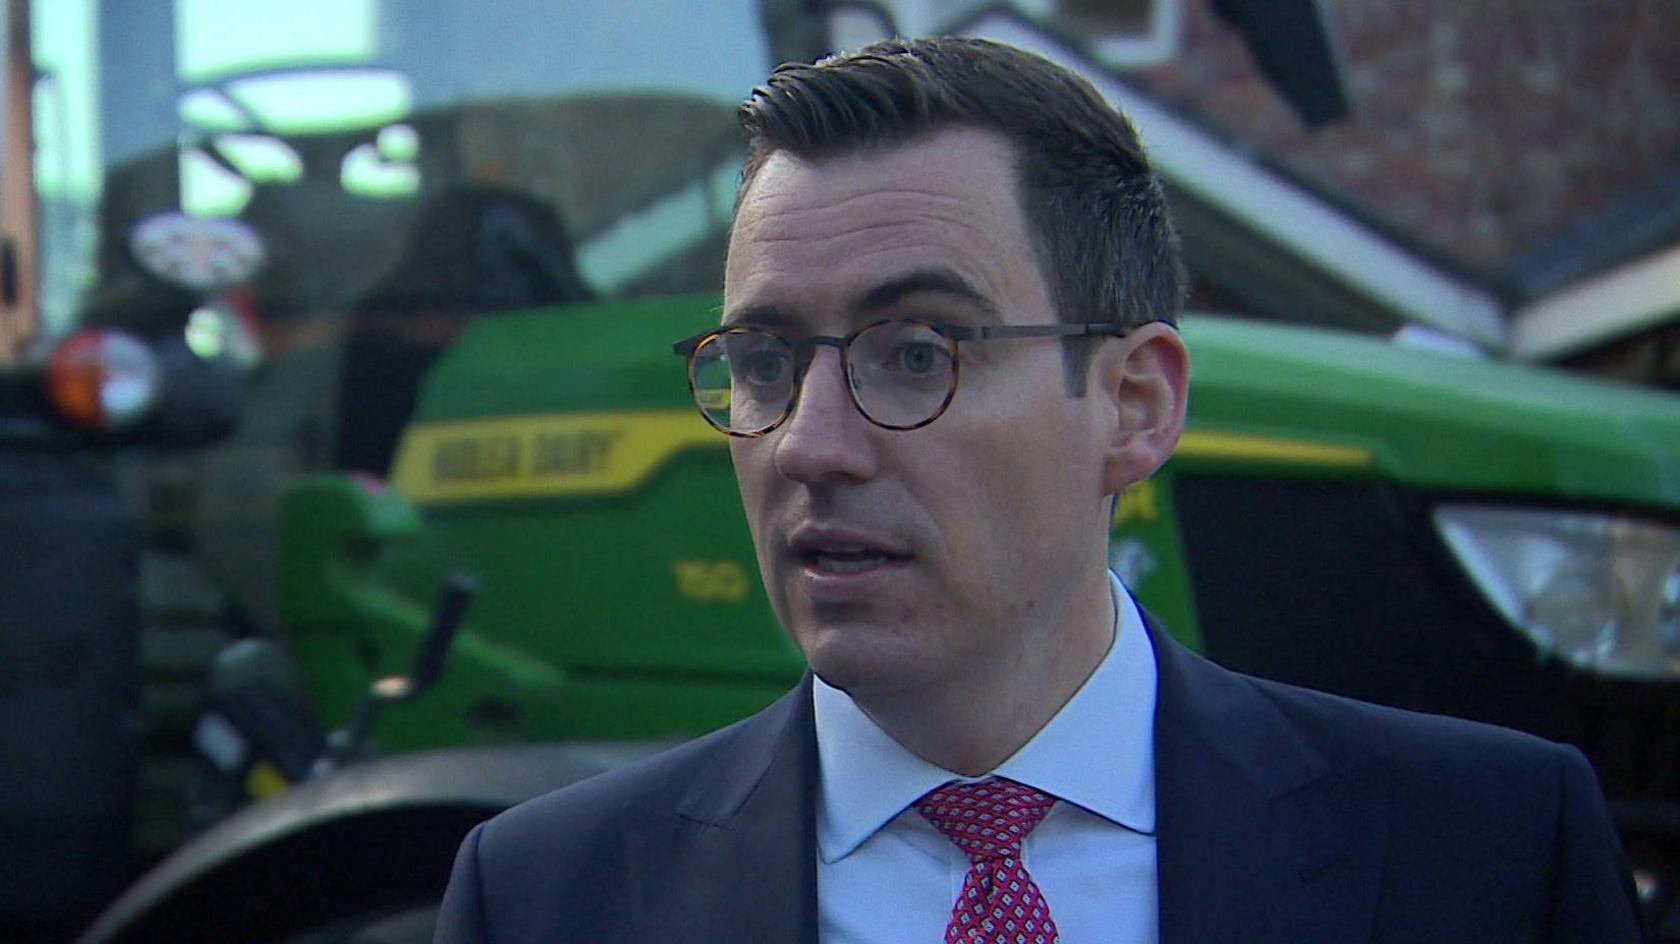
x,y
826,437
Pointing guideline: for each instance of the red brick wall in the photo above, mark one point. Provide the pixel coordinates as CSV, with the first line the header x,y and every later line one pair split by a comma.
x,y
1480,126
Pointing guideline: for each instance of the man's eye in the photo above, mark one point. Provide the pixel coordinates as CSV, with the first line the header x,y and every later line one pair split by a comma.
x,y
765,367
919,357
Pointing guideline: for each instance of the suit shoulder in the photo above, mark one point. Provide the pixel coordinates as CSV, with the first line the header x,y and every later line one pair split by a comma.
x,y
1346,726
1520,818
585,813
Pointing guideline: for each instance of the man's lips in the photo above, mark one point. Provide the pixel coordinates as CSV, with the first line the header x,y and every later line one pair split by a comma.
x,y
842,551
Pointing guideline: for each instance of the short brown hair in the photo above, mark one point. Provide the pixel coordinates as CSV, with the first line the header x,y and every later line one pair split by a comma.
x,y
1098,217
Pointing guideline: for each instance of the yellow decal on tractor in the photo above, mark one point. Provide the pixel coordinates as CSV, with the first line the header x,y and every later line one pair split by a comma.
x,y
1138,502
554,454
1214,445
721,581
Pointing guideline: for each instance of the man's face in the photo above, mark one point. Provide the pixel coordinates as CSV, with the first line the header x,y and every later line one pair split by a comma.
x,y
943,555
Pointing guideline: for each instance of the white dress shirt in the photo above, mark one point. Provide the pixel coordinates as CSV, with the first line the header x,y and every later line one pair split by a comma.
x,y
884,874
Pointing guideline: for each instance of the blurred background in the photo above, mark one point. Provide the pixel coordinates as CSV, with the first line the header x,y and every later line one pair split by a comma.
x,y
350,492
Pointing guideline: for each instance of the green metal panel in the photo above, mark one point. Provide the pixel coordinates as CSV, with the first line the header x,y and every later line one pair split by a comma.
x,y
1433,420
614,356
624,611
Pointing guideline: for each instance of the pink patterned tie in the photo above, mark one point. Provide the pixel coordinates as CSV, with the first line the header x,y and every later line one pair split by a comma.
x,y
1000,903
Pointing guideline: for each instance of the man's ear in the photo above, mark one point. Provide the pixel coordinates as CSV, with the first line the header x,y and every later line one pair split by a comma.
x,y
1145,378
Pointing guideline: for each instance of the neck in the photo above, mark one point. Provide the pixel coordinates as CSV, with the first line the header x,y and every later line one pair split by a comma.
x,y
972,727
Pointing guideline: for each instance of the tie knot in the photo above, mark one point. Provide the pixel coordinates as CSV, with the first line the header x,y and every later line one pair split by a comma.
x,y
987,819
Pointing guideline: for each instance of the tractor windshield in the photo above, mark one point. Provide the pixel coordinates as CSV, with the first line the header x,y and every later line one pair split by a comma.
x,y
346,168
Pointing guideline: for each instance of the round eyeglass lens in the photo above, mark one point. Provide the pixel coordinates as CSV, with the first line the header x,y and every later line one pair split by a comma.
x,y
902,373
742,379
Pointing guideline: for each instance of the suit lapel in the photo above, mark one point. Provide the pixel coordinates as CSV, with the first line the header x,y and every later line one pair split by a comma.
x,y
735,860
1260,837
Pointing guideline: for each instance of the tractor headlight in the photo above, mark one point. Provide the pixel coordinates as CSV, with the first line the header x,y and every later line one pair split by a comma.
x,y
1601,591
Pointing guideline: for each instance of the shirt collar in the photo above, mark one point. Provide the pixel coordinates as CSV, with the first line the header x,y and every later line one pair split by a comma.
x,y
868,778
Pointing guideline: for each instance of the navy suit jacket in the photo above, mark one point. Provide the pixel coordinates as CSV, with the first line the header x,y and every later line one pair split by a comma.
x,y
1284,815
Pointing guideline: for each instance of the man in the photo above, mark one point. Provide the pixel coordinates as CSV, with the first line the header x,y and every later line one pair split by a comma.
x,y
947,345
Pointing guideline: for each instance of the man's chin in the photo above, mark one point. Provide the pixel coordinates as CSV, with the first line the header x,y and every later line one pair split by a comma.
x,y
860,659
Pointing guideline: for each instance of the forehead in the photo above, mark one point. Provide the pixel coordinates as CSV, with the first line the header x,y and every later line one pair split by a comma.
x,y
816,241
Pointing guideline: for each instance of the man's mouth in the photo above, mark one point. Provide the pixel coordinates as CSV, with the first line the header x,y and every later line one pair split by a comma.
x,y
848,560
842,552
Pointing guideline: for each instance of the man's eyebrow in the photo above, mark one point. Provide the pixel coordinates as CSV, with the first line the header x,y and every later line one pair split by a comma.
x,y
767,316
938,280
935,280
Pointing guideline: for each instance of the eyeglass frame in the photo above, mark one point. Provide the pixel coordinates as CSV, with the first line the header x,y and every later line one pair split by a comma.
x,y
955,334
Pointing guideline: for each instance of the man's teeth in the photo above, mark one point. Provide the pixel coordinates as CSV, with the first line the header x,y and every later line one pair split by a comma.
x,y
847,562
